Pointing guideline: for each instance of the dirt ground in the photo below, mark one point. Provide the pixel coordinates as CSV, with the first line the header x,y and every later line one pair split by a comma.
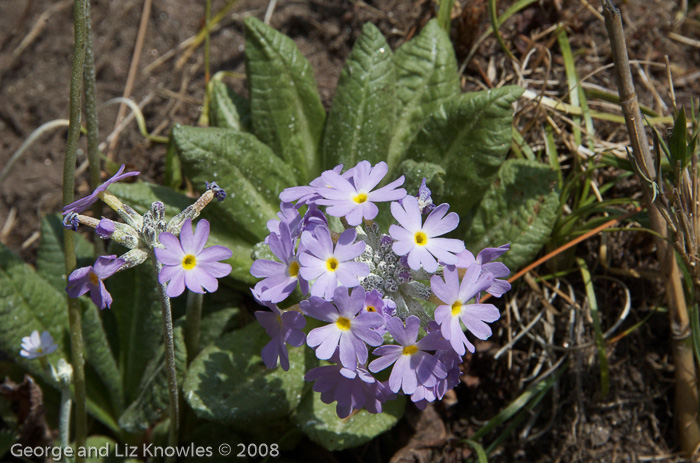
x,y
573,423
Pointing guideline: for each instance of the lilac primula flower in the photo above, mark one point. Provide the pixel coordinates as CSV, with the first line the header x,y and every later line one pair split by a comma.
x,y
280,278
368,285
352,389
90,279
419,240
83,203
331,266
35,345
355,201
456,308
349,326
413,366
307,194
375,303
186,263
288,214
284,328
484,260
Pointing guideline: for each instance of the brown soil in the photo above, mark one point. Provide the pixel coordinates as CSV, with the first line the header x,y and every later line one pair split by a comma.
x,y
573,423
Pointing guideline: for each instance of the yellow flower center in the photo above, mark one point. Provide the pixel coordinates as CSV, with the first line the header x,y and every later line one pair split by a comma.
x,y
371,308
332,264
293,269
420,238
189,262
343,323
94,279
360,198
456,308
40,350
410,350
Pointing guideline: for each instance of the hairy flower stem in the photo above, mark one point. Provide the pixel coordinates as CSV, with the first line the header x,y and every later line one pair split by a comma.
x,y
687,401
93,152
174,409
64,416
74,316
192,322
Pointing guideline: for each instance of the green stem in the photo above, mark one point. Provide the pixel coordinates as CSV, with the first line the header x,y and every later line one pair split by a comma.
x,y
74,316
64,416
93,141
192,322
166,312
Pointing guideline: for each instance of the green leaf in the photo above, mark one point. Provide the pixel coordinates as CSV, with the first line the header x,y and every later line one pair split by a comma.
x,y
677,143
136,308
320,422
28,303
415,172
152,402
213,325
228,382
141,195
362,117
50,262
427,76
469,136
285,108
519,208
227,109
250,173
99,355
173,166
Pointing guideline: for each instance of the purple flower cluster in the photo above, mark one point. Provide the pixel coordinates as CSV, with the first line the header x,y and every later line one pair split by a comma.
x,y
183,262
408,294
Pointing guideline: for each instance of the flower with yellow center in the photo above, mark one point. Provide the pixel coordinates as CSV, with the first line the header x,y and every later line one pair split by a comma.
x,y
280,277
457,308
354,200
186,263
413,365
35,345
420,241
349,328
89,279
328,264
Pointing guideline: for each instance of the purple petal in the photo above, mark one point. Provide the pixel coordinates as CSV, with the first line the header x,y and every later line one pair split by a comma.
x,y
326,338
490,254
201,235
215,269
176,285
213,253
172,245
106,266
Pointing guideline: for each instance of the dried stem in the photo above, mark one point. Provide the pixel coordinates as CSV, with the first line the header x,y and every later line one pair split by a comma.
x,y
685,374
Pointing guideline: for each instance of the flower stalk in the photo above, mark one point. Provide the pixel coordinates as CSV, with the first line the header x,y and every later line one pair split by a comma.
x,y
192,323
166,312
74,315
93,152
